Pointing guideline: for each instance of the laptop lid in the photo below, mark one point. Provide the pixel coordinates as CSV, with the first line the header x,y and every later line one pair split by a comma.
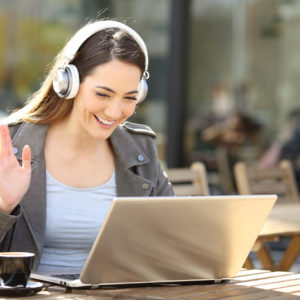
x,y
172,239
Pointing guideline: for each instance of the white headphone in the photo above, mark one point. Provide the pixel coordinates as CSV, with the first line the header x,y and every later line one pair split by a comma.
x,y
66,79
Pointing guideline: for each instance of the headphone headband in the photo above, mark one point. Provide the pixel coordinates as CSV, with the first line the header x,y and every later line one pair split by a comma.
x,y
66,80
88,30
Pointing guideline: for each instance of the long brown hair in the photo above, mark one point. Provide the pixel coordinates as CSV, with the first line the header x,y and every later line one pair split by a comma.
x,y
45,106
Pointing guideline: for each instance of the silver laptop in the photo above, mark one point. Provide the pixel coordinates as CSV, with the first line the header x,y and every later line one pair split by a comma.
x,y
172,240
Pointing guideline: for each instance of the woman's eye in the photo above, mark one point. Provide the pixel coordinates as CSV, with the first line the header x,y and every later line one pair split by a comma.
x,y
131,98
102,95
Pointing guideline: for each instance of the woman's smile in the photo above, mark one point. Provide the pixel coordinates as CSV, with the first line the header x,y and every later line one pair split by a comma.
x,y
104,123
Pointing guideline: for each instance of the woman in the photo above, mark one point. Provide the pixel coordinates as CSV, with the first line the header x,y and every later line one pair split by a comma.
x,y
75,150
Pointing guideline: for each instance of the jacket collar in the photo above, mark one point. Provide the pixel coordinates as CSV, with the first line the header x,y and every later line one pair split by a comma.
x,y
32,135
127,151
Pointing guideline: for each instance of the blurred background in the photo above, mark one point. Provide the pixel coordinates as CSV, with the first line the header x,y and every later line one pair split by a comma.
x,y
223,73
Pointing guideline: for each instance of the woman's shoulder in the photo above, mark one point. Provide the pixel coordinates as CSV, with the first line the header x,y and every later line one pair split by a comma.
x,y
13,127
137,128
27,130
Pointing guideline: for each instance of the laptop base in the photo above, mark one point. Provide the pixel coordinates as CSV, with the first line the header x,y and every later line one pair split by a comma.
x,y
77,284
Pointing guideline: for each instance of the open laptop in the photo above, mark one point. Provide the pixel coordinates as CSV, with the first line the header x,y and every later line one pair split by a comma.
x,y
172,240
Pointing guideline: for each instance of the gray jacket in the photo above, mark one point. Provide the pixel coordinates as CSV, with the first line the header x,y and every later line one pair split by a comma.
x,y
138,173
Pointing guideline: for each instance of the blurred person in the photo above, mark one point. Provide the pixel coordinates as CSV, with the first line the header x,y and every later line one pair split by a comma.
x,y
285,146
69,151
234,139
238,129
221,101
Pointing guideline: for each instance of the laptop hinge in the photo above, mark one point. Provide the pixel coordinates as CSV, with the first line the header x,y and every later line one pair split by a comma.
x,y
94,286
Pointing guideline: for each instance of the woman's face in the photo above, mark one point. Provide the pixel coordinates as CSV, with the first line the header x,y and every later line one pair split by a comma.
x,y
106,98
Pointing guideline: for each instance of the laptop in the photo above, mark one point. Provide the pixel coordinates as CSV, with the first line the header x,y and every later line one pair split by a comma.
x,y
161,240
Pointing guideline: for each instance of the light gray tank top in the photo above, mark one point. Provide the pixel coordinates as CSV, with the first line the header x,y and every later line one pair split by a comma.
x,y
74,217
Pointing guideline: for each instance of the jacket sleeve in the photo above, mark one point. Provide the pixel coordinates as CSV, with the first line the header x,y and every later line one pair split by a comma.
x,y
163,186
7,221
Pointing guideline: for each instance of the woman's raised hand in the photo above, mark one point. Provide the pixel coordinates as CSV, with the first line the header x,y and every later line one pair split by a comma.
x,y
14,179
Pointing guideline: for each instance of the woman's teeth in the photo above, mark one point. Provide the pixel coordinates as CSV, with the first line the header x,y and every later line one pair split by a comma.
x,y
103,121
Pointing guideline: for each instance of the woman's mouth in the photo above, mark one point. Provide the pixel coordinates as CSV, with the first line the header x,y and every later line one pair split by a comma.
x,y
104,123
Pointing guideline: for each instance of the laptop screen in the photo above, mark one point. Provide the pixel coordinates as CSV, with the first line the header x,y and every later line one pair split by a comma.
x,y
162,239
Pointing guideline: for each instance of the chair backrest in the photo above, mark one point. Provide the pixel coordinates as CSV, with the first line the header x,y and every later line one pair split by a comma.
x,y
278,180
225,171
190,181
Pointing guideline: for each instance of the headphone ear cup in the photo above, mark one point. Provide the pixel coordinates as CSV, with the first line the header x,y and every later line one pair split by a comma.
x,y
142,90
66,82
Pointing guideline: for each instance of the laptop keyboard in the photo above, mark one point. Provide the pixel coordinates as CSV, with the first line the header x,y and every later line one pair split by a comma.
x,y
67,276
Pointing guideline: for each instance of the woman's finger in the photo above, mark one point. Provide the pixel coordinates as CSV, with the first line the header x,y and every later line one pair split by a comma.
x,y
3,141
9,146
26,158
6,145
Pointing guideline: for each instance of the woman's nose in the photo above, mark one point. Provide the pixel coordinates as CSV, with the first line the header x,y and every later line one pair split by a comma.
x,y
114,109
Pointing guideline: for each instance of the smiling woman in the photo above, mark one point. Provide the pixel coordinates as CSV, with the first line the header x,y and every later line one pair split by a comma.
x,y
79,152
108,95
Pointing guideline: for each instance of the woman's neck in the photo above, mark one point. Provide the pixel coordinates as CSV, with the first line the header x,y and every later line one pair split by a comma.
x,y
70,138
77,159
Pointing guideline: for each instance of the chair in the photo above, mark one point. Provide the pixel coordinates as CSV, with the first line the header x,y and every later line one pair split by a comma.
x,y
190,181
278,180
225,170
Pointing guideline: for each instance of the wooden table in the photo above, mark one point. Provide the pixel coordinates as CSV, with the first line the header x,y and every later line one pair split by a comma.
x,y
248,284
284,220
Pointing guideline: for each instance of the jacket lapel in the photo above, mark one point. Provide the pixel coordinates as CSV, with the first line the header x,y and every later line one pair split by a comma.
x,y
129,155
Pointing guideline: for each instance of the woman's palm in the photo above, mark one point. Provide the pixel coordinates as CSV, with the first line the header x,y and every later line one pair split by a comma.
x,y
14,179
